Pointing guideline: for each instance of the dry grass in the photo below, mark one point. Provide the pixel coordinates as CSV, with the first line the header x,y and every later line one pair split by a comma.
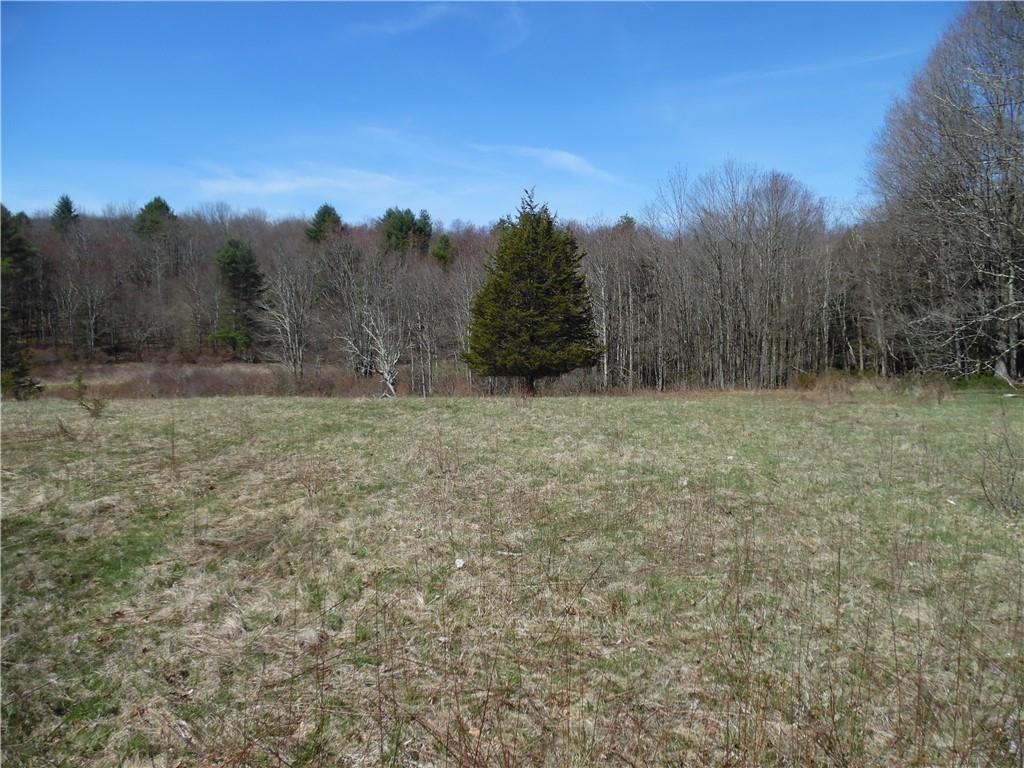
x,y
132,380
729,580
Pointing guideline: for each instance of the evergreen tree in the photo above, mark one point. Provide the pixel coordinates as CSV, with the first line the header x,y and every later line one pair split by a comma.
x,y
325,221
442,250
532,317
64,216
626,223
244,281
422,229
395,228
18,261
153,217
402,231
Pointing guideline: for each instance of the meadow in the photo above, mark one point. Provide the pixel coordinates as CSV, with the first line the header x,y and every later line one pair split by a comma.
x,y
690,579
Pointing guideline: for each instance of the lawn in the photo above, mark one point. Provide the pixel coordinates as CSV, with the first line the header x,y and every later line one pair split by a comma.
x,y
732,579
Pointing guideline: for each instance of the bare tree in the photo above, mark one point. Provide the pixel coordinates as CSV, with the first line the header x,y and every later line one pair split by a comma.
x,y
343,267
950,174
382,334
388,339
288,304
367,311
748,267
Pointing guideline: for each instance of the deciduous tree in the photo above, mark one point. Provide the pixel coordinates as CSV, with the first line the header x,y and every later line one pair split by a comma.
x,y
950,177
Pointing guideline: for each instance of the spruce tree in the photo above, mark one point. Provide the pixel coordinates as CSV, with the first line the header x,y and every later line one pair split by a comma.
x,y
532,318
64,216
422,229
442,251
244,280
325,221
153,217
19,261
402,231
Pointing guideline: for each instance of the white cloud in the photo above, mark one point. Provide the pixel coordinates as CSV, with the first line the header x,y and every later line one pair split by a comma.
x,y
559,159
811,69
286,182
514,32
423,17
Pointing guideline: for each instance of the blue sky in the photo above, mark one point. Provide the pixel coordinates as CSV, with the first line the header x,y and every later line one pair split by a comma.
x,y
450,107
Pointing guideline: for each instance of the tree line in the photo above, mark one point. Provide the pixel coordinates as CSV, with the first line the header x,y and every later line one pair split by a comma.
x,y
735,278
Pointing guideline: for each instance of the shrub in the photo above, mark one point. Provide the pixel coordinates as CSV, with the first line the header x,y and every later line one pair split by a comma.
x,y
826,382
94,406
924,386
233,340
981,382
1002,468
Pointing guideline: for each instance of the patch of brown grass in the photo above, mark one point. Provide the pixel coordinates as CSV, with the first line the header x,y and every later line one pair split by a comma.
x,y
755,580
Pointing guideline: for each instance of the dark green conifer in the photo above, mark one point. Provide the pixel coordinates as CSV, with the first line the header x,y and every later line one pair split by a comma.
x,y
18,263
242,276
402,231
325,221
442,250
64,216
532,318
153,217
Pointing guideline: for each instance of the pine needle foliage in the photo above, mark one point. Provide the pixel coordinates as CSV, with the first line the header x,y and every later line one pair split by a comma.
x,y
325,222
64,216
153,217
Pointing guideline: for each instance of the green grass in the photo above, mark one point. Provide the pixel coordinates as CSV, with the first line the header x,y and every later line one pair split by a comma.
x,y
702,580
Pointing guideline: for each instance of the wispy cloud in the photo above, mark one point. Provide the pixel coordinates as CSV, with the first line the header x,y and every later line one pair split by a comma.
x,y
422,17
726,94
811,69
559,159
514,32
292,182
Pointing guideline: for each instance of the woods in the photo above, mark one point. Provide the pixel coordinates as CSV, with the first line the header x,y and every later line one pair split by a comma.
x,y
948,174
736,277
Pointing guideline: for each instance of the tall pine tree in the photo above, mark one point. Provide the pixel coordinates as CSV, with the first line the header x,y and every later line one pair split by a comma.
x,y
64,216
442,251
532,317
153,217
18,263
241,275
325,222
402,231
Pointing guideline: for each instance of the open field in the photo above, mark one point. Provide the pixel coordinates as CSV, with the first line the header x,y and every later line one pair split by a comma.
x,y
698,580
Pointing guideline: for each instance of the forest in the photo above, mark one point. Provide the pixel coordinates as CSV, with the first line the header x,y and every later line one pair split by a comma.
x,y
738,277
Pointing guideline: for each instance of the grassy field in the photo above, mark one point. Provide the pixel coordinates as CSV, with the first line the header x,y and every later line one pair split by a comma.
x,y
691,580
